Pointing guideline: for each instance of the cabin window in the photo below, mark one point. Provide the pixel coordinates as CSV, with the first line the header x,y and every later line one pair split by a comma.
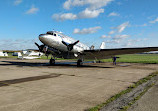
x,y
54,34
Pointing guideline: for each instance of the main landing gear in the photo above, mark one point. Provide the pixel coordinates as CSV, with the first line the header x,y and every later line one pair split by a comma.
x,y
79,62
52,61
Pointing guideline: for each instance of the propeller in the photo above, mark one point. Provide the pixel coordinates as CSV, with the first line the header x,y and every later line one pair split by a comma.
x,y
40,47
70,46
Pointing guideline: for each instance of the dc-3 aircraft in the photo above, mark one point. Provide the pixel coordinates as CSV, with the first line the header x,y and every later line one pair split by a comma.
x,y
61,46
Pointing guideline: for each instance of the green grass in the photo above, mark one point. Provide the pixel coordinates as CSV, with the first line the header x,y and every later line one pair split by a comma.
x,y
128,58
141,81
45,57
9,56
136,58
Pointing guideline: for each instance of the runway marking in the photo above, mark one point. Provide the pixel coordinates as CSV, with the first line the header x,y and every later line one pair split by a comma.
x,y
27,79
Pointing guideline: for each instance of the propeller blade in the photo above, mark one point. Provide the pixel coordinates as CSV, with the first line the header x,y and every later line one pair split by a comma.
x,y
75,42
40,47
64,43
70,46
36,44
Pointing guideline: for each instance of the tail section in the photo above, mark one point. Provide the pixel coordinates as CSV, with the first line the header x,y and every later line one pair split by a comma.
x,y
102,46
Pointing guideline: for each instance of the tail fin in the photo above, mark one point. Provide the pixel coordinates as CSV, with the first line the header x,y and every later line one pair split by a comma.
x,y
102,46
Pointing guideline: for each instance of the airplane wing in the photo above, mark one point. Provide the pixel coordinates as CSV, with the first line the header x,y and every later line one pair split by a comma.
x,y
107,53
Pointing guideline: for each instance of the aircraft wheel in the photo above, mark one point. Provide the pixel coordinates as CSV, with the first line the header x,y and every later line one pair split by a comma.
x,y
79,63
52,61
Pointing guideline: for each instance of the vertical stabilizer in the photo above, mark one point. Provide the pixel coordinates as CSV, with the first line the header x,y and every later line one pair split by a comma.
x,y
102,46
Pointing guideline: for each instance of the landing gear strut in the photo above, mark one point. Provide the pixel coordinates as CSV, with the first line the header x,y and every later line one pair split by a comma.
x,y
52,61
79,62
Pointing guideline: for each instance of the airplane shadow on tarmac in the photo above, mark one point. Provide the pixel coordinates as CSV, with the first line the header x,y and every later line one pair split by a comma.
x,y
62,64
27,79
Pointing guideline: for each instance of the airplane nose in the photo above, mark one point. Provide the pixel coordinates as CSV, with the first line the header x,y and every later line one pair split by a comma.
x,y
41,36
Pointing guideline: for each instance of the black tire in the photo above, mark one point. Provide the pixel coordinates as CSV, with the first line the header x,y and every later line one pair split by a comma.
x,y
79,63
52,62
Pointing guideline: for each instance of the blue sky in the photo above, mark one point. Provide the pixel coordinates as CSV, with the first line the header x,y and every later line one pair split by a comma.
x,y
119,23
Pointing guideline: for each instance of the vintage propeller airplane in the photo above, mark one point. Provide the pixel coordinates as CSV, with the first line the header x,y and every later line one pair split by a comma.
x,y
61,46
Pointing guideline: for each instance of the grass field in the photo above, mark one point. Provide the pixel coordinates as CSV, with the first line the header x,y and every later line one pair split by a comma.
x,y
136,58
129,58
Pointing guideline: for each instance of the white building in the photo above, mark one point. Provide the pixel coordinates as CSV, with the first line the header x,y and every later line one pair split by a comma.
x,y
33,53
24,51
17,54
3,54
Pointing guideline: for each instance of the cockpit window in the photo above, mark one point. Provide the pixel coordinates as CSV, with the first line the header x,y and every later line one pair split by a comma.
x,y
50,33
54,34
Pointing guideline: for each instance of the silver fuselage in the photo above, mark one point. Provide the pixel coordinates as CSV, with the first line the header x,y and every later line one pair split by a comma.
x,y
55,39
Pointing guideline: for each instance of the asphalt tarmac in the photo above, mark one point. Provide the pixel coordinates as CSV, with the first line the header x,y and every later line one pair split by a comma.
x,y
148,102
33,85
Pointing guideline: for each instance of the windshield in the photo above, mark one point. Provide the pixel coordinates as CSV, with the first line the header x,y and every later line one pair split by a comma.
x,y
51,33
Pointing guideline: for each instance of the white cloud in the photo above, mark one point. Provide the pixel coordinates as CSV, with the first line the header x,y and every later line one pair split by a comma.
x,y
120,37
17,44
117,39
111,32
113,14
113,41
67,4
119,3
154,21
128,44
121,27
87,13
92,4
32,10
116,32
87,30
17,2
65,16
143,25
132,42
84,14
93,8
105,36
